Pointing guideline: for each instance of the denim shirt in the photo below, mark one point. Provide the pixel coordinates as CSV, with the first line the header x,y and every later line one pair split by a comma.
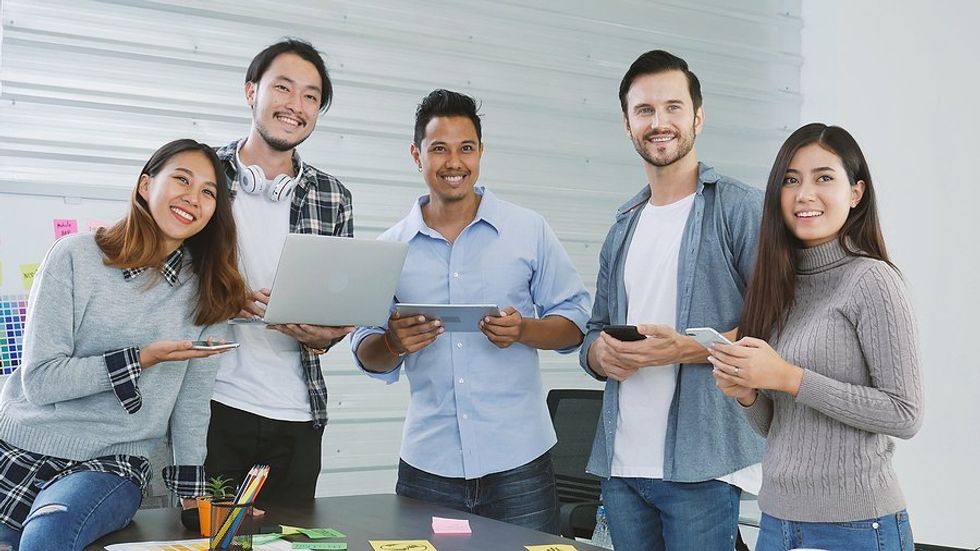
x,y
707,434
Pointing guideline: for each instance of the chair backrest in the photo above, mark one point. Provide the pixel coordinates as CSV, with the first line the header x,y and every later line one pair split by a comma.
x,y
574,413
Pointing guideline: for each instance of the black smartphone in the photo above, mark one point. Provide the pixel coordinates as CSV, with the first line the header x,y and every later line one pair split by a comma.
x,y
624,332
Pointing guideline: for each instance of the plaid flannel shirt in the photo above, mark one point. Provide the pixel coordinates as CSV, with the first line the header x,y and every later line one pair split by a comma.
x,y
24,474
321,205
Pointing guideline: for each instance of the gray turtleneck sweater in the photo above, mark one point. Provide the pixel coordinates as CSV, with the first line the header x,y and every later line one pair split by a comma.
x,y
828,451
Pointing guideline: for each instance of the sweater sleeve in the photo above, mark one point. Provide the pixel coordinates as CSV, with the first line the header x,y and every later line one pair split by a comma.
x,y
51,372
759,414
886,333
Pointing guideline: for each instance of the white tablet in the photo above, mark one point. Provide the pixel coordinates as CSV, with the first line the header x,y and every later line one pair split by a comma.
x,y
459,318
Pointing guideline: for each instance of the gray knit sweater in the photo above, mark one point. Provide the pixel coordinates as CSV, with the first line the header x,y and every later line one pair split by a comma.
x,y
60,401
828,451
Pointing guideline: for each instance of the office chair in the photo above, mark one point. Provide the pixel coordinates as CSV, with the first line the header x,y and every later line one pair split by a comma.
x,y
574,413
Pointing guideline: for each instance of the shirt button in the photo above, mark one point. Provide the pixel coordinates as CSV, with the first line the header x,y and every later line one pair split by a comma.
x,y
465,416
459,345
455,274
460,380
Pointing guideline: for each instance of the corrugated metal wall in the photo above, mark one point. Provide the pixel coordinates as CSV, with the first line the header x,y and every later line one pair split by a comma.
x,y
91,87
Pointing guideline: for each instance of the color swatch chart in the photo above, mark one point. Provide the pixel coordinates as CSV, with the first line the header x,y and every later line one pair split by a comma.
x,y
13,310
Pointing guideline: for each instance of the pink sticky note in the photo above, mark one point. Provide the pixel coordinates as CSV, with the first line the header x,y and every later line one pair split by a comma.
x,y
92,225
450,526
65,226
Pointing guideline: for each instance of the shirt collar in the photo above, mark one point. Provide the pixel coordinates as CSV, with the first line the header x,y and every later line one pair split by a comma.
x,y
488,211
170,268
706,175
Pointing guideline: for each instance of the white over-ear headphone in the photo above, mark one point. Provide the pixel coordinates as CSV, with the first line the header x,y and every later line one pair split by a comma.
x,y
252,179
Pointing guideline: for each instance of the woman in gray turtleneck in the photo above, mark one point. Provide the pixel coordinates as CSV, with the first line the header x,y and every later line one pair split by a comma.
x,y
838,372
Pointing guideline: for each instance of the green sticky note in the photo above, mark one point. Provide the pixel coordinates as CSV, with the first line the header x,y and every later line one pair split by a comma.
x,y
318,533
317,545
262,539
27,273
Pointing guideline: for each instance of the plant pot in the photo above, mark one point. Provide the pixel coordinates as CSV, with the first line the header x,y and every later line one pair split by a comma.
x,y
204,514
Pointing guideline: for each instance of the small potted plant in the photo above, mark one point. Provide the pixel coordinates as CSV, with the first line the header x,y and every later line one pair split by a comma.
x,y
218,489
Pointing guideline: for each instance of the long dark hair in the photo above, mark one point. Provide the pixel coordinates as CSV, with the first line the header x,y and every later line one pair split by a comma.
x,y
773,284
136,240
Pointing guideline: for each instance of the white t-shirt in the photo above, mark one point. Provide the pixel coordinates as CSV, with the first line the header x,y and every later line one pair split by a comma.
x,y
264,376
645,398
651,293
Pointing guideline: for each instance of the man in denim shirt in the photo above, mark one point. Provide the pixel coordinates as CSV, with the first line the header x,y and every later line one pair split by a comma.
x,y
477,430
673,452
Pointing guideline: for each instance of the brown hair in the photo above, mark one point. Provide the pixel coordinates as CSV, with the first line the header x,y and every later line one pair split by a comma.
x,y
773,284
136,241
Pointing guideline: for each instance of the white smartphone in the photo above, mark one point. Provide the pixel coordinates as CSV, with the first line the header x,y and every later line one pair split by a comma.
x,y
205,345
706,336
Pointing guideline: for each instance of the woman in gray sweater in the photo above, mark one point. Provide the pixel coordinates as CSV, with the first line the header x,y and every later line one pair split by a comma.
x,y
108,363
827,368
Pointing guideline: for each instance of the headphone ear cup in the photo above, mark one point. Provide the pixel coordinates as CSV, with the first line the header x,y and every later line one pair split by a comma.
x,y
281,187
251,179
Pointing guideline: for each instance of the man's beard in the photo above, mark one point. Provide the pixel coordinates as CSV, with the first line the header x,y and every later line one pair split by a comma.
x,y
277,143
685,143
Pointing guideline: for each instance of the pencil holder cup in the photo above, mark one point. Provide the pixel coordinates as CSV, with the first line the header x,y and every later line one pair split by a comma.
x,y
232,526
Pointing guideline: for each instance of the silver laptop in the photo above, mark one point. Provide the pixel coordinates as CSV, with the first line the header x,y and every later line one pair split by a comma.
x,y
323,280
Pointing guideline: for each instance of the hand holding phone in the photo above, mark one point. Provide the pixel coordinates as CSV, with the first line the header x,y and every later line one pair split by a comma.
x,y
706,336
205,345
625,333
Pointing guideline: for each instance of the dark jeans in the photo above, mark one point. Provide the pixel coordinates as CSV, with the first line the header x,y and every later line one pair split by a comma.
x,y
237,440
524,496
647,514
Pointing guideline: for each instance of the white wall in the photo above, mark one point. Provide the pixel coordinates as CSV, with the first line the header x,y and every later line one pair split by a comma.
x,y
91,87
903,78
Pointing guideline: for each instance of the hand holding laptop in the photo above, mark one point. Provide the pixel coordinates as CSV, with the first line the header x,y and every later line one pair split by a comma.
x,y
255,308
314,336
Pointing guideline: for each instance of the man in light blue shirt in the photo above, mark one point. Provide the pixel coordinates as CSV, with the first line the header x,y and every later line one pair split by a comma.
x,y
477,431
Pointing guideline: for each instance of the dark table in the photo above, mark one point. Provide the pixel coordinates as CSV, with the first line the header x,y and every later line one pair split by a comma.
x,y
361,518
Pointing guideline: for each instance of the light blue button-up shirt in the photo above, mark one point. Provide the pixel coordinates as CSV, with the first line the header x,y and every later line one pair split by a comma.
x,y
477,409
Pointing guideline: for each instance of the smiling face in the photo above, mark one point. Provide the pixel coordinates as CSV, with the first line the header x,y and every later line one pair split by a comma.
x,y
181,197
449,157
660,117
816,195
285,102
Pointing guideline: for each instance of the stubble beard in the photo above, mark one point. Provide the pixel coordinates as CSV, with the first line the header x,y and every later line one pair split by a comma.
x,y
685,143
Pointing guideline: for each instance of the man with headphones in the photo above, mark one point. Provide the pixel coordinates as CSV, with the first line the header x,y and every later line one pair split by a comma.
x,y
270,399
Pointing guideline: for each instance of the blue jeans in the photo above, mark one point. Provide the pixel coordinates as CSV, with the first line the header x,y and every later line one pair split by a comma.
x,y
524,496
75,511
653,514
888,533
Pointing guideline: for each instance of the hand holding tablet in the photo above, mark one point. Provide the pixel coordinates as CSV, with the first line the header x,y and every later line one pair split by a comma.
x,y
460,318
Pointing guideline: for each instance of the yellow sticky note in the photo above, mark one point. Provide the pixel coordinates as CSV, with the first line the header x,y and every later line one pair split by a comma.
x,y
289,530
552,547
407,545
27,273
